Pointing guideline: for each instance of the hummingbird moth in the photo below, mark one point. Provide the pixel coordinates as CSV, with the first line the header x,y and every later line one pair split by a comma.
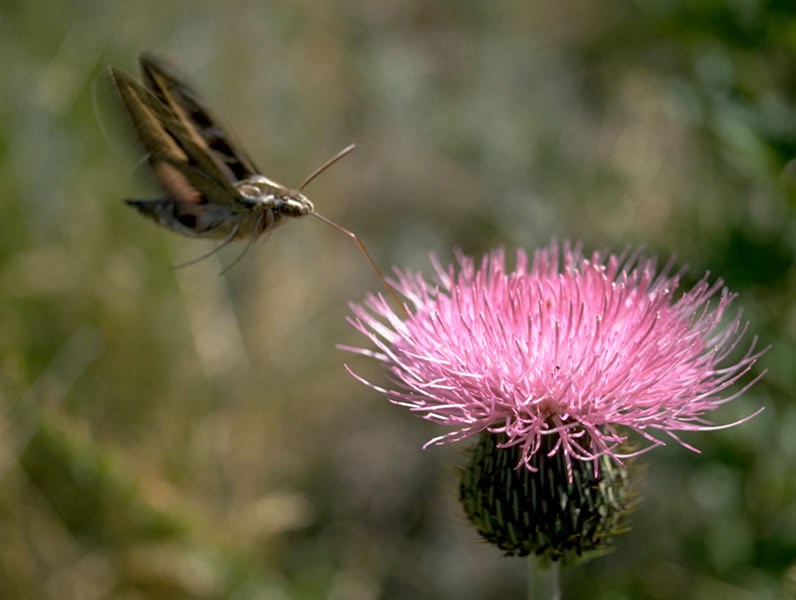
x,y
213,190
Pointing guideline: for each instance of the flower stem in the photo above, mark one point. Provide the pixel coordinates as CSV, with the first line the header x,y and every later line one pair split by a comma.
x,y
544,582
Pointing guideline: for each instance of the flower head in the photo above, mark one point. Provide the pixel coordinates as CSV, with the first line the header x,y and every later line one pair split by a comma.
x,y
571,351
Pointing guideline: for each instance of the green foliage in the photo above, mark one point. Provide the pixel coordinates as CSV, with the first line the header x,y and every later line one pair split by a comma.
x,y
90,495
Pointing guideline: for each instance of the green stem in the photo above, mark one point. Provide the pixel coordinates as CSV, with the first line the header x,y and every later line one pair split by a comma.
x,y
544,581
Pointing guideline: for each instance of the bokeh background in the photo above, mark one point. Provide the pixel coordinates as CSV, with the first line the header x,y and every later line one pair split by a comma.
x,y
180,434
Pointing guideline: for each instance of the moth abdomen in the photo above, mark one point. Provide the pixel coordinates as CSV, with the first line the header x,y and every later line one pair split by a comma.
x,y
190,219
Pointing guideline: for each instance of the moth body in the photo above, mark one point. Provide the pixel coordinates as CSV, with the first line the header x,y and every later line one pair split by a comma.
x,y
260,207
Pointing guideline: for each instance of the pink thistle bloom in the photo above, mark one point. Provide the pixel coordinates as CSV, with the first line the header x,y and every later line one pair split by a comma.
x,y
583,349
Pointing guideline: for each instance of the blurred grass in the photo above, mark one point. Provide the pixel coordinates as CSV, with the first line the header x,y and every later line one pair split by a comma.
x,y
179,434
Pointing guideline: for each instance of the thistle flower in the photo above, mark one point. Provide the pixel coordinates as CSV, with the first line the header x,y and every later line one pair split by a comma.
x,y
578,350
553,366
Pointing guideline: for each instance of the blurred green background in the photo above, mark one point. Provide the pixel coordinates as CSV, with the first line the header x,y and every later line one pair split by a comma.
x,y
176,434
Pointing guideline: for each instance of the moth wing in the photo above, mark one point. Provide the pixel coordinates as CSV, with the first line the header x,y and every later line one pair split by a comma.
x,y
182,165
192,111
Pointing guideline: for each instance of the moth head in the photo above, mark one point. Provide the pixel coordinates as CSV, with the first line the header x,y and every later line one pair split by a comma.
x,y
259,192
295,204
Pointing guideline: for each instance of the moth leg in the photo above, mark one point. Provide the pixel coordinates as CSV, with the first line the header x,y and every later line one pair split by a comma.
x,y
263,224
223,244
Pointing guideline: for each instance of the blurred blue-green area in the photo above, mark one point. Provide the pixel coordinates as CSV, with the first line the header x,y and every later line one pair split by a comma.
x,y
180,434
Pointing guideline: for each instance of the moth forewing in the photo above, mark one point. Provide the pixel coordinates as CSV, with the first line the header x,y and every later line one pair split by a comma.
x,y
167,140
201,200
180,97
148,118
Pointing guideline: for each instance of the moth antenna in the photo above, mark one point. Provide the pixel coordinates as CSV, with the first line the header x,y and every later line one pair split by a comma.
x,y
364,251
227,241
326,165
